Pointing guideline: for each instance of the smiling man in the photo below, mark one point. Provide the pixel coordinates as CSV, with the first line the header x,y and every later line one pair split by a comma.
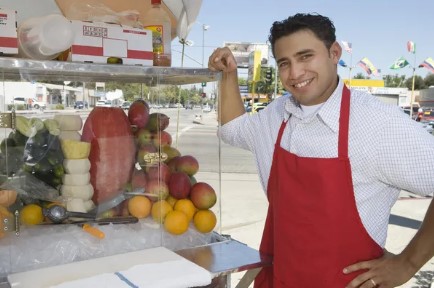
x,y
330,164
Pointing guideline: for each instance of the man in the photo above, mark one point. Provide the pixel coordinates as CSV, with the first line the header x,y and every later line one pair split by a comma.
x,y
333,162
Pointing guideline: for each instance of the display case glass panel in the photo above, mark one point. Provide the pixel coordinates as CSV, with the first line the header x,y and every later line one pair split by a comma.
x,y
94,156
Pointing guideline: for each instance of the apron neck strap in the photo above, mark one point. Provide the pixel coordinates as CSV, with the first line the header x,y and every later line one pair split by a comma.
x,y
344,123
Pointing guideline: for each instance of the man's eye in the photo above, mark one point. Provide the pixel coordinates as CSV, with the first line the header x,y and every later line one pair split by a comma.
x,y
283,64
305,57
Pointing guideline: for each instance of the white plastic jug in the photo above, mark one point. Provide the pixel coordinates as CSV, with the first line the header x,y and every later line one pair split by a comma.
x,y
44,38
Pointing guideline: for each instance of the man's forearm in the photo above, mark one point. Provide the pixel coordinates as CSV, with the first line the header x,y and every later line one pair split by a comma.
x,y
231,106
421,248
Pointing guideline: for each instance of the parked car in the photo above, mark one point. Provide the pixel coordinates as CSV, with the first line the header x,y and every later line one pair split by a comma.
x,y
126,105
427,116
248,108
80,105
416,114
257,107
175,105
206,108
100,103
34,103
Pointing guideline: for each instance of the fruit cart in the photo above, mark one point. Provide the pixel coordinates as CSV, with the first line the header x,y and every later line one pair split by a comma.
x,y
88,193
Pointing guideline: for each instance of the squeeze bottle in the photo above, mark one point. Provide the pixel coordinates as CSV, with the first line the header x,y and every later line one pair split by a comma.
x,y
158,21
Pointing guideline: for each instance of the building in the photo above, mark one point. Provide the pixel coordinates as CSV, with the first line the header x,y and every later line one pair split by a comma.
x,y
391,95
426,97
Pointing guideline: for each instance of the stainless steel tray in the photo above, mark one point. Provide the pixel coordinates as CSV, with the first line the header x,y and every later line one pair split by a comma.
x,y
32,70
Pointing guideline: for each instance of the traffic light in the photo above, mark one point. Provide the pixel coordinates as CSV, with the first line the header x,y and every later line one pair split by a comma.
x,y
203,94
268,76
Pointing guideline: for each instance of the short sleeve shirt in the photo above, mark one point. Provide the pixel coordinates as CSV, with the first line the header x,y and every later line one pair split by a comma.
x,y
388,151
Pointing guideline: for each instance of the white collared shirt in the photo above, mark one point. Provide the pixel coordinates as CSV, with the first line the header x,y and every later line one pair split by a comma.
x,y
388,151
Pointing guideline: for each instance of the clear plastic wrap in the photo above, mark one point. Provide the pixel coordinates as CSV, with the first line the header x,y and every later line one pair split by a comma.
x,y
50,245
32,158
95,11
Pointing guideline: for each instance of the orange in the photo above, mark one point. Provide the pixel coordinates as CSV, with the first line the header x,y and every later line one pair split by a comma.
x,y
159,210
171,200
31,214
176,222
204,221
139,206
186,206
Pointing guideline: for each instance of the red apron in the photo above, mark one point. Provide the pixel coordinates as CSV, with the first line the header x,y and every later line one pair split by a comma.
x,y
313,229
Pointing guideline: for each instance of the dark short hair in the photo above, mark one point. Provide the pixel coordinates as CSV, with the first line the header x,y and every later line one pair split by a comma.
x,y
321,26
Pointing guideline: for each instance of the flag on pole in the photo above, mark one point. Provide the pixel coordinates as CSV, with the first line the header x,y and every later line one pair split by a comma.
x,y
347,46
401,62
411,47
428,64
342,63
367,65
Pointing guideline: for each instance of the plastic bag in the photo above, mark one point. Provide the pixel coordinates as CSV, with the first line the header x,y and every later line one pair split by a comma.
x,y
98,12
31,161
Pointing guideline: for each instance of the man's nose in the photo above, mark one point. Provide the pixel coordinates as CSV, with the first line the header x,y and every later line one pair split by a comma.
x,y
296,70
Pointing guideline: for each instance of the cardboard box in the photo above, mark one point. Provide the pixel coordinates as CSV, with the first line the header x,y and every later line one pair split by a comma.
x,y
8,32
96,42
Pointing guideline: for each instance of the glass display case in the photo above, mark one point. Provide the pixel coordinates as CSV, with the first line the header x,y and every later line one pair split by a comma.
x,y
99,161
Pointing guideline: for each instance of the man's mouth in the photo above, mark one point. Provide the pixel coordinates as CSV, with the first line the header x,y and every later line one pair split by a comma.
x,y
302,84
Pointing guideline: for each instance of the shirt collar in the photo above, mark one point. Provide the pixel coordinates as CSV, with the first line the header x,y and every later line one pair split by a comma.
x,y
329,113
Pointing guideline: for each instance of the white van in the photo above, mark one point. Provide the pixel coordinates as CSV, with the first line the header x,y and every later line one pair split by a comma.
x,y
25,101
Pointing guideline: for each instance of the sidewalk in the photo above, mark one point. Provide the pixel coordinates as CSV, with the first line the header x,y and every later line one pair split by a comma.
x,y
244,208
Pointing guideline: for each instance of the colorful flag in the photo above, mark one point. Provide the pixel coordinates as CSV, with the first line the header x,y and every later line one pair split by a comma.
x,y
342,63
428,64
368,66
411,47
401,62
347,46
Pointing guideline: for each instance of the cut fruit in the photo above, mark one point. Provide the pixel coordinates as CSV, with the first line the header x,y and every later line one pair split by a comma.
x,y
76,179
75,149
84,192
76,166
70,122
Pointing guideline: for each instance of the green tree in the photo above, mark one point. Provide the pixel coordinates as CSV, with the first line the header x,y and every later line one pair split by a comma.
x,y
429,80
418,83
359,76
394,80
242,81
131,91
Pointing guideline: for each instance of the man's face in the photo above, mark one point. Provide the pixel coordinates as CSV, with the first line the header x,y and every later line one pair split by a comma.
x,y
307,68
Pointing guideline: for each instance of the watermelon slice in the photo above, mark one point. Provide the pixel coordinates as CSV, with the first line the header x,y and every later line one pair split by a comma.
x,y
112,152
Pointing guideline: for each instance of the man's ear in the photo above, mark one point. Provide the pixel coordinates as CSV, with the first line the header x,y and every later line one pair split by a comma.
x,y
335,52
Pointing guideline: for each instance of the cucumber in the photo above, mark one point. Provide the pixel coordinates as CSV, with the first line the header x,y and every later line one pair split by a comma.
x,y
6,144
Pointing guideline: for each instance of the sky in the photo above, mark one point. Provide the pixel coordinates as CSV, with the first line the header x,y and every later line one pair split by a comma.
x,y
377,29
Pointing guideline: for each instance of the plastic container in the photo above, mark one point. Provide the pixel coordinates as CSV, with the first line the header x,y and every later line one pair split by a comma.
x,y
158,21
44,38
